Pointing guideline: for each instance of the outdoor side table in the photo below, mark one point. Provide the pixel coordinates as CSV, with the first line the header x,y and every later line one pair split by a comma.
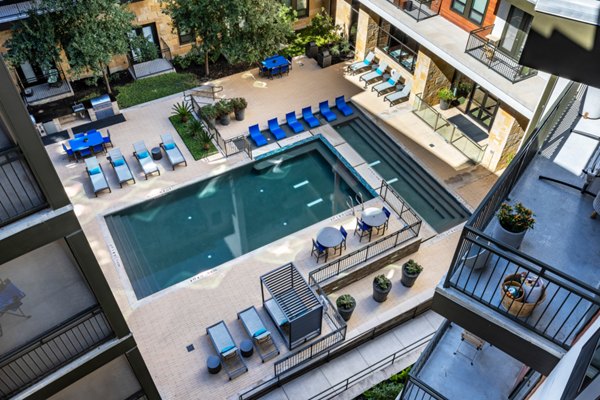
x,y
156,153
246,348
213,363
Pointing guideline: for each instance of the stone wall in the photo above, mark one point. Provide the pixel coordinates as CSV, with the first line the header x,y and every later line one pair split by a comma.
x,y
431,75
504,139
343,16
366,33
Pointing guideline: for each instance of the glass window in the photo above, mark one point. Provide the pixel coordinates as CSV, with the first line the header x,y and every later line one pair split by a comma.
x,y
185,36
474,10
459,5
300,6
399,46
515,31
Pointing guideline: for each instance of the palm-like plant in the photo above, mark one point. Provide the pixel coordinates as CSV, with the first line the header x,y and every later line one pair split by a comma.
x,y
197,130
183,110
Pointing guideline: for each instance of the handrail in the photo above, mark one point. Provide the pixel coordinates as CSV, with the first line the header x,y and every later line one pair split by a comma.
x,y
425,9
421,387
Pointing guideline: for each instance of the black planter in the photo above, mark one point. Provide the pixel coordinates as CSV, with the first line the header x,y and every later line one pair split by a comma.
x,y
311,50
240,114
380,295
225,119
407,279
444,104
324,59
346,313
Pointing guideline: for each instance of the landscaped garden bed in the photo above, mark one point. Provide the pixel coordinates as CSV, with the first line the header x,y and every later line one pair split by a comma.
x,y
194,144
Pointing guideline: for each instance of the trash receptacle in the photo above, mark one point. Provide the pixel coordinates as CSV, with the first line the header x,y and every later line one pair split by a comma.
x,y
311,50
324,58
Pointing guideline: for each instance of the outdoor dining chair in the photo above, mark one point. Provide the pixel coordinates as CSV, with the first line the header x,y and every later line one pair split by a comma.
x,y
70,153
318,251
363,230
107,140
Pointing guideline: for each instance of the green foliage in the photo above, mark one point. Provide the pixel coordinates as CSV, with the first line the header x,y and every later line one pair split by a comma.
x,y
389,389
224,107
194,144
382,282
322,31
142,48
445,94
183,110
209,112
239,103
345,302
412,267
517,218
155,87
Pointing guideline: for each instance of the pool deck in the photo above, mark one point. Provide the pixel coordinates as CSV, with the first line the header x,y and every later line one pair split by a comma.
x,y
165,323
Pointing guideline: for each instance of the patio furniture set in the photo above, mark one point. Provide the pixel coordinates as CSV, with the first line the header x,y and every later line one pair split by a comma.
x,y
118,162
10,300
372,218
87,144
275,65
392,85
295,125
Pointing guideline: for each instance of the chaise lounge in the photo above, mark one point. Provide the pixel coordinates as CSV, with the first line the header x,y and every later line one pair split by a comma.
x,y
120,166
275,129
326,111
141,153
96,174
310,119
360,65
173,153
342,107
376,75
293,122
390,84
255,328
229,354
399,96
256,136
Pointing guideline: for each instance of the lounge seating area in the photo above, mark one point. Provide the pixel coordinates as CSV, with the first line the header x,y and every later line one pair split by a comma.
x,y
275,65
224,345
256,329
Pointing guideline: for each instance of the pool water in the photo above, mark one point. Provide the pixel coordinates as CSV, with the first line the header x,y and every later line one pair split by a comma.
x,y
168,239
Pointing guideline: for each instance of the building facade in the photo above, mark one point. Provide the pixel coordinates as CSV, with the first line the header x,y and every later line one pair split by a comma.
x,y
62,335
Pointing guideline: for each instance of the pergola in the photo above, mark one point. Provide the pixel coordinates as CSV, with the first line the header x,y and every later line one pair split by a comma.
x,y
292,305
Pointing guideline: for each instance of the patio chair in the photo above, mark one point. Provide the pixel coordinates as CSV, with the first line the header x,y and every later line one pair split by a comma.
x,y
141,153
290,61
78,135
284,69
274,71
399,96
363,230
326,111
106,139
275,129
255,328
85,152
10,300
229,354
384,227
318,251
342,107
310,119
360,65
120,166
96,174
173,153
475,341
376,75
258,137
99,148
293,123
70,153
384,87
345,235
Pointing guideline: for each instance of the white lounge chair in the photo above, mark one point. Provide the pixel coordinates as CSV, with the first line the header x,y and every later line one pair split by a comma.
x,y
399,96
374,75
382,88
120,166
360,65
256,329
173,153
96,174
141,153
229,354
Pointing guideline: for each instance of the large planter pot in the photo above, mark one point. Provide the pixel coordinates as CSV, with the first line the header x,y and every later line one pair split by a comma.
x,y
380,295
509,238
407,279
444,104
476,258
240,114
225,119
346,313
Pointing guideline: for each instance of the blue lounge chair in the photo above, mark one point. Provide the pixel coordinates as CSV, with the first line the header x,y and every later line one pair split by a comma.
x,y
360,65
106,139
69,152
326,111
293,123
255,135
342,107
275,129
310,118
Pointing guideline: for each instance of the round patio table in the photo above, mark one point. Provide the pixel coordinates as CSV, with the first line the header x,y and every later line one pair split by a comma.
x,y
374,217
329,237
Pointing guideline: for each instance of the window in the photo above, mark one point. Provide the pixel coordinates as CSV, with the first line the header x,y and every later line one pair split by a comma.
x,y
185,36
395,43
515,32
474,10
300,6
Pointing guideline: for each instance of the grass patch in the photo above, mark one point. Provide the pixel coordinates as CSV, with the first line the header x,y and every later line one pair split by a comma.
x,y
155,87
193,145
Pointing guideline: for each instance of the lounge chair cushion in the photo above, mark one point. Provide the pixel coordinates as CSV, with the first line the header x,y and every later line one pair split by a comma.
x,y
118,162
169,146
143,154
259,332
94,171
227,348
263,337
230,353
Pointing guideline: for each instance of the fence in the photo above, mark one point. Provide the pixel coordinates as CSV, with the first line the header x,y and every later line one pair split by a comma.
x,y
52,350
489,54
20,194
347,383
421,9
412,226
448,131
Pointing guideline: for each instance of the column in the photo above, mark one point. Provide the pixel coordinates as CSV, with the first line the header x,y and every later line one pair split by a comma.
x,y
504,140
431,75
366,35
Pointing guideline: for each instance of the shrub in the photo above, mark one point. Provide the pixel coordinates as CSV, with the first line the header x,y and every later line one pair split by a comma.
x,y
224,107
239,103
445,94
183,110
515,218
208,112
345,302
382,282
412,267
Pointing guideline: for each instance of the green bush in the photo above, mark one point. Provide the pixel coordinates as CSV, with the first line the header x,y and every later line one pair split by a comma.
x,y
194,140
321,30
389,389
144,90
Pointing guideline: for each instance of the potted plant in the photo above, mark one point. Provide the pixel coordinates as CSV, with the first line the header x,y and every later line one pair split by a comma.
x,y
410,272
239,107
209,114
224,109
345,305
183,110
513,223
381,287
446,96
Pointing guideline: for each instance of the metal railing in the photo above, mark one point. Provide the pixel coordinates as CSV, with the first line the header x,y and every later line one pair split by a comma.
x,y
20,194
448,131
340,387
421,9
52,350
488,52
403,55
412,226
415,389
568,303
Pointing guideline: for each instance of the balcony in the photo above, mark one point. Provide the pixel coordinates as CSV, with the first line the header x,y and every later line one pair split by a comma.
x,y
20,194
482,48
140,69
421,9
561,253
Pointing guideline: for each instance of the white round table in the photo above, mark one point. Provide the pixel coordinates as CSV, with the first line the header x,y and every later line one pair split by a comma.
x,y
373,216
329,237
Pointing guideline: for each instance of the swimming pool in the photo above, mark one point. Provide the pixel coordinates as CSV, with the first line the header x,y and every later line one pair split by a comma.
x,y
171,238
424,194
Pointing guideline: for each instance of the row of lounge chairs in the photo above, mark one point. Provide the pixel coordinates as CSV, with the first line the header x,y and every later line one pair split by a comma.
x,y
295,125
395,91
228,351
121,167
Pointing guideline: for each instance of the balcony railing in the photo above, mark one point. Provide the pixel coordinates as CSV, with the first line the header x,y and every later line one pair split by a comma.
x,y
485,50
403,55
420,9
568,303
20,194
447,130
52,350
